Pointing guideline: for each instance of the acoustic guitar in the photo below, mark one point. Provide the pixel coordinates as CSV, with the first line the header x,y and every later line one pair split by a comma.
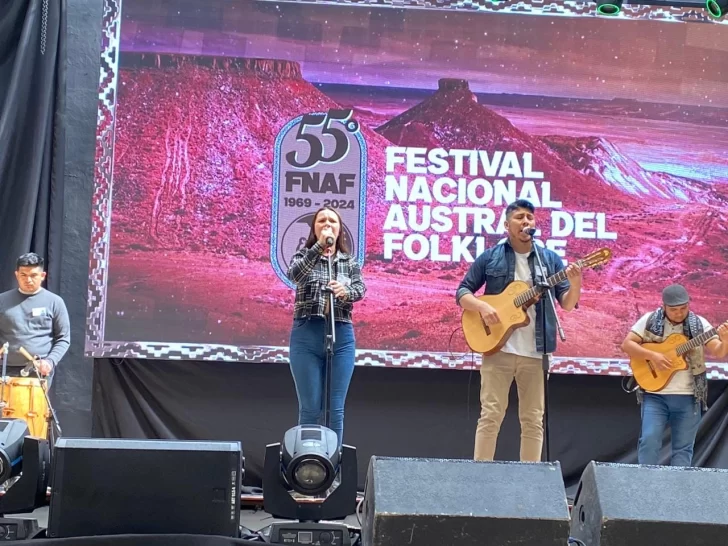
x,y
653,379
511,306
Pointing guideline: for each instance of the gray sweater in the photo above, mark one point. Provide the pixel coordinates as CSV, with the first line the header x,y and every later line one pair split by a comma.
x,y
37,322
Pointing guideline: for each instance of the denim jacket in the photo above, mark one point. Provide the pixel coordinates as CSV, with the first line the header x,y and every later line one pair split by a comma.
x,y
496,268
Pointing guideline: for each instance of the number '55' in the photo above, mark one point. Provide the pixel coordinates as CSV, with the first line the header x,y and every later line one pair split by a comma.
x,y
315,144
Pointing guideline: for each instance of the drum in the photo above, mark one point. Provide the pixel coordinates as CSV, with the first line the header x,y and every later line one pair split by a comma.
x,y
23,398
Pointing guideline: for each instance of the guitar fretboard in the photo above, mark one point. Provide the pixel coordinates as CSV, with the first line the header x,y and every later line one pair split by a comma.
x,y
524,297
696,342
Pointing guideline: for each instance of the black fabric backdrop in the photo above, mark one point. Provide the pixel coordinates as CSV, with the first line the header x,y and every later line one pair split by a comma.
x,y
32,103
394,412
72,384
49,80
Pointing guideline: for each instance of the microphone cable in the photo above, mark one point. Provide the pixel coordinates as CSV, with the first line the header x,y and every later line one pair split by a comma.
x,y
629,385
472,366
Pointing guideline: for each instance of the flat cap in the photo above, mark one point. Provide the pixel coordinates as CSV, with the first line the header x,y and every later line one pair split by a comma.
x,y
675,295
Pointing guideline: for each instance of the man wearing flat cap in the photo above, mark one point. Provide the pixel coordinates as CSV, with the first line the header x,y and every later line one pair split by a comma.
x,y
681,403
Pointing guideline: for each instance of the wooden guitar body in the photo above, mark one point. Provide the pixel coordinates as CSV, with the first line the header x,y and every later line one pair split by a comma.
x,y
647,375
490,339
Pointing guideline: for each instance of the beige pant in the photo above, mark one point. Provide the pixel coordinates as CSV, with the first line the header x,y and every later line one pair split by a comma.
x,y
496,376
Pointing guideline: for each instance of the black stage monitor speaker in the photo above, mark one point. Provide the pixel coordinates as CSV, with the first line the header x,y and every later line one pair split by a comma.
x,y
442,502
632,505
111,487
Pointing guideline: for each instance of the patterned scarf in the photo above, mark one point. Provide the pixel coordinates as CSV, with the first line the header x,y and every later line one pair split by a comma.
x,y
692,327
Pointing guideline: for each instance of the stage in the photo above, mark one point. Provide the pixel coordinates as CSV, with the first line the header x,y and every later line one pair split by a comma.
x,y
154,177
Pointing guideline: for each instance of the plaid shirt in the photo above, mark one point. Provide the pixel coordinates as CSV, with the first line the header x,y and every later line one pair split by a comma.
x,y
311,274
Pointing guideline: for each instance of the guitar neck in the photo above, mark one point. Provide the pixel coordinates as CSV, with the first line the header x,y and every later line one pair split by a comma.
x,y
696,341
531,293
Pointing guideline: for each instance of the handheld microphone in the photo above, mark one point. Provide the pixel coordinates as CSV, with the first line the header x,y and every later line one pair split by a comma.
x,y
529,231
329,241
25,372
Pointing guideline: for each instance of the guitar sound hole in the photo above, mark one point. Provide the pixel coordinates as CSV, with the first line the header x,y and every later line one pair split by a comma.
x,y
652,369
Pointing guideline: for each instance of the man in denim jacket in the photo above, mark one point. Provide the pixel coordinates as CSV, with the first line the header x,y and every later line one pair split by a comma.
x,y
520,357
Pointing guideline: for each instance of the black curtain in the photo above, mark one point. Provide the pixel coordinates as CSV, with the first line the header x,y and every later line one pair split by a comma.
x,y
32,104
395,412
46,164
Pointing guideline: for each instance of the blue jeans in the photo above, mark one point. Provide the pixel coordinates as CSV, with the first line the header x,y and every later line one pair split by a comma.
x,y
308,366
682,412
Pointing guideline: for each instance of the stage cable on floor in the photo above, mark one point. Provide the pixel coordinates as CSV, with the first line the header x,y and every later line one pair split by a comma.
x,y
358,510
250,536
361,501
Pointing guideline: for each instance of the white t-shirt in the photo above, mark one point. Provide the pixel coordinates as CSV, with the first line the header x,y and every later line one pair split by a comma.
x,y
523,340
682,381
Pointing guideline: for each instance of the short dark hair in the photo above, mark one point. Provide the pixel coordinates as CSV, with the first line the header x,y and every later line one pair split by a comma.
x,y
520,204
31,259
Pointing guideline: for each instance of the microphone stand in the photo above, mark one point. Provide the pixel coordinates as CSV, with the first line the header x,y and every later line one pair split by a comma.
x,y
330,340
541,282
54,427
2,378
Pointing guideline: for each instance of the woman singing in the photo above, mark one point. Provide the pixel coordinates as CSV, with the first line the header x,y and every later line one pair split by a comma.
x,y
309,270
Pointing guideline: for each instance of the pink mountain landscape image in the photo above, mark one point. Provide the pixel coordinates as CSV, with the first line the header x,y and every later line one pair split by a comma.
x,y
452,118
601,159
192,197
198,192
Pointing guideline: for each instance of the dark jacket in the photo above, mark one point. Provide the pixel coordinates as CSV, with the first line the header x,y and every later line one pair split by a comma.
x,y
496,268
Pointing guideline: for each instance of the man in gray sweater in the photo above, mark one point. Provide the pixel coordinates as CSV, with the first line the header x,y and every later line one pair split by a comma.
x,y
33,318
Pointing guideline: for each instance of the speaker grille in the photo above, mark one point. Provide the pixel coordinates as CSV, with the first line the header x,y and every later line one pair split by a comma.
x,y
429,502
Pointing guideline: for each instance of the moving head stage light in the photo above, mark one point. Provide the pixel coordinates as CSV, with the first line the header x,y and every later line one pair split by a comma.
x,y
308,462
310,459
716,8
28,457
12,433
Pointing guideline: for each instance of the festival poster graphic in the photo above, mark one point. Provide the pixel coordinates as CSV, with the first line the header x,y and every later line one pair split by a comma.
x,y
234,124
307,177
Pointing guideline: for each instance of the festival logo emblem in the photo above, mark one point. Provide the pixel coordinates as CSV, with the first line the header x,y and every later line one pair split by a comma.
x,y
320,161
